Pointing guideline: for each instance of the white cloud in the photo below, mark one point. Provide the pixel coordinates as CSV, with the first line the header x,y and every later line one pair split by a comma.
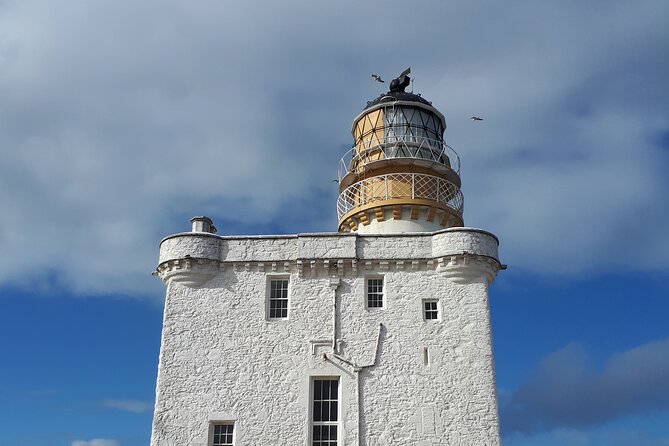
x,y
119,121
135,406
95,442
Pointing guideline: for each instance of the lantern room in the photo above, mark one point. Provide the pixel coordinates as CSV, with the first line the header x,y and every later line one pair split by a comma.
x,y
400,175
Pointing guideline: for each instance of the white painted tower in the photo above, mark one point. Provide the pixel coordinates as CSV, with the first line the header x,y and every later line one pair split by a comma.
x,y
376,335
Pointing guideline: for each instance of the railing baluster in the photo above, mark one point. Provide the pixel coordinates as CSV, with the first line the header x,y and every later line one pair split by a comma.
x,y
362,193
355,195
397,146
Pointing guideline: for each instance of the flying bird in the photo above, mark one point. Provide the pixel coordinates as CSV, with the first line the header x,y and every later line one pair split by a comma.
x,y
377,78
476,118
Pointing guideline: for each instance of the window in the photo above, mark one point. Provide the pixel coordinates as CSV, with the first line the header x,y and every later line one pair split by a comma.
x,y
325,412
375,293
223,434
278,299
411,125
431,310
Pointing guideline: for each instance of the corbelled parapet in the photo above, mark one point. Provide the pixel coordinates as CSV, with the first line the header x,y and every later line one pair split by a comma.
x,y
462,254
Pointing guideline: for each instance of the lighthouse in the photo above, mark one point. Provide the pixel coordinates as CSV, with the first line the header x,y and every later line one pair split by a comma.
x,y
400,175
377,334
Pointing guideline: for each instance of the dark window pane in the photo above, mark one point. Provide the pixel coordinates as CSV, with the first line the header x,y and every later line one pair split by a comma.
x,y
326,412
317,390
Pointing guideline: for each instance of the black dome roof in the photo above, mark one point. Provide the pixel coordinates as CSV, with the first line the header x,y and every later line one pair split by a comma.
x,y
393,96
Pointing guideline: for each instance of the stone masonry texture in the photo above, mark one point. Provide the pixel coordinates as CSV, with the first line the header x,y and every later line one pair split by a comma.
x,y
403,380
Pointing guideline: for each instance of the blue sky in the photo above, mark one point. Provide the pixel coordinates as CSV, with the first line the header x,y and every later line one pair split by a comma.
x,y
120,121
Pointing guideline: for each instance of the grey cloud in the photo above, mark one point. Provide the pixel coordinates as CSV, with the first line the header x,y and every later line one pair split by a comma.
x,y
608,436
566,391
134,406
95,442
121,120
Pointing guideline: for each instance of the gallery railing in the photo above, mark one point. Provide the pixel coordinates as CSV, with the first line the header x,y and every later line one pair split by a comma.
x,y
400,185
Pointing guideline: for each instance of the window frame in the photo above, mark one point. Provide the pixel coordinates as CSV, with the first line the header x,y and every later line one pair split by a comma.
x,y
437,309
212,432
269,298
382,293
320,423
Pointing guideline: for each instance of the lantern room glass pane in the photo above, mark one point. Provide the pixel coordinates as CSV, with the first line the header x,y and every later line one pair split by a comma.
x,y
411,125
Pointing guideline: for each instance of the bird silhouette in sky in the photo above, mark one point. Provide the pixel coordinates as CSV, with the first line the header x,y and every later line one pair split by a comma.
x,y
476,118
377,78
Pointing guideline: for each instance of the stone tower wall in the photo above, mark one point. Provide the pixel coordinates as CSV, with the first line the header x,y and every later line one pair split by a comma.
x,y
403,380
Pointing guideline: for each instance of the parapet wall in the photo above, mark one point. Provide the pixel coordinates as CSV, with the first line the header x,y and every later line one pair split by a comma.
x,y
333,246
464,254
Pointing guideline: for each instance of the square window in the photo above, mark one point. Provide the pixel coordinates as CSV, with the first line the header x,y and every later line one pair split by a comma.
x,y
278,299
431,309
223,434
375,292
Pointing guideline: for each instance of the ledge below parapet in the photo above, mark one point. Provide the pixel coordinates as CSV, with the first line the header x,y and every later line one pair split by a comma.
x,y
463,254
467,268
189,272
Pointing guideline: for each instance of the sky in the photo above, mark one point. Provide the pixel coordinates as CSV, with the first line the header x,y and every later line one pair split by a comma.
x,y
119,121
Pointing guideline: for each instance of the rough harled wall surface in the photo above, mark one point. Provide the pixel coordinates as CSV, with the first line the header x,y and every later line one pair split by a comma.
x,y
426,382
